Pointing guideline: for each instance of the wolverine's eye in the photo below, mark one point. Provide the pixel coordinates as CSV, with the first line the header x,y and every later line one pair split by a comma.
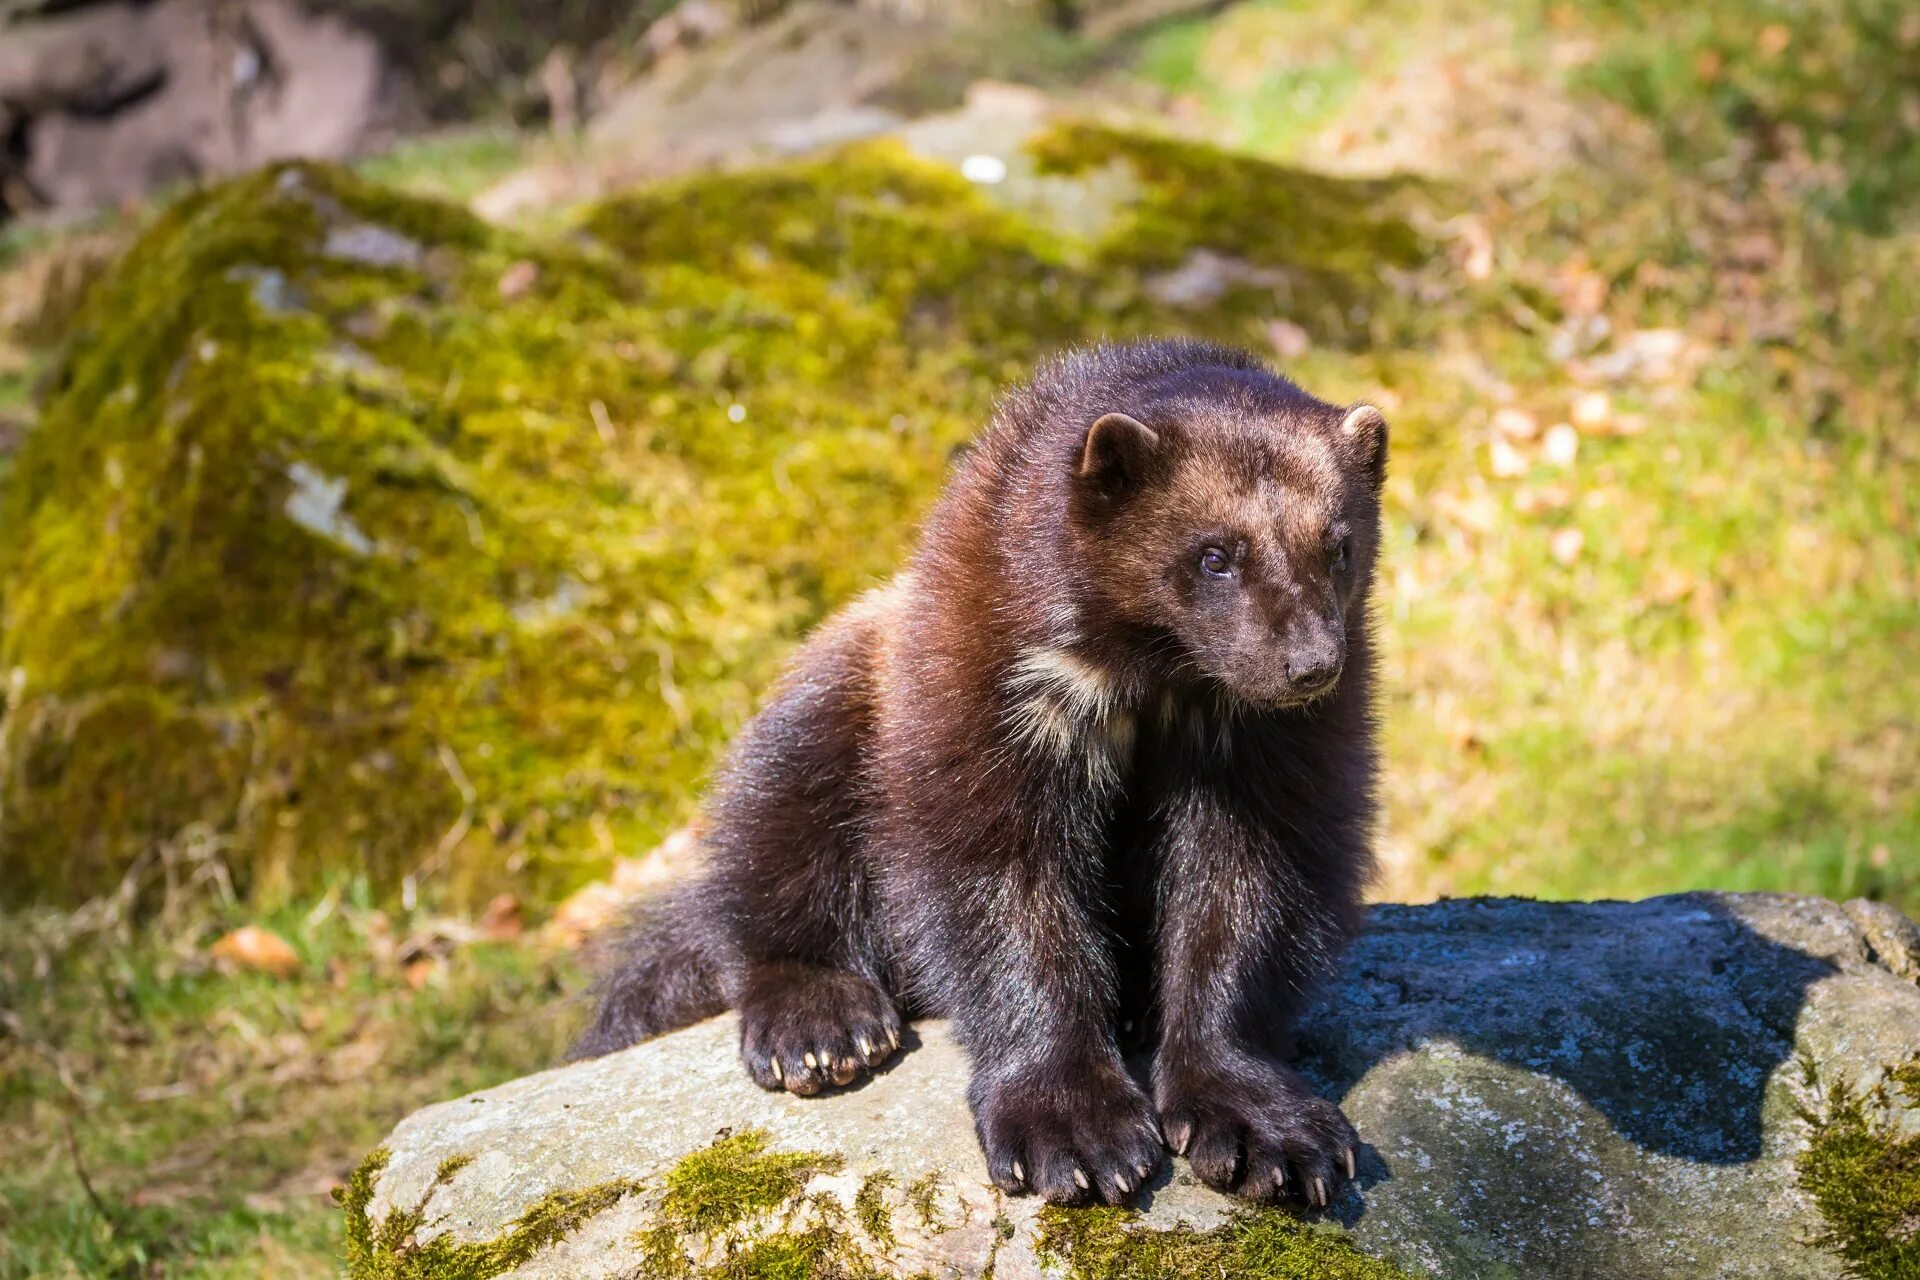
x,y
1342,555
1216,563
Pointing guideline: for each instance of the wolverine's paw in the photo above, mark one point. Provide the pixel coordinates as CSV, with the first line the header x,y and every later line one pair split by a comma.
x,y
1077,1135
1258,1130
803,1028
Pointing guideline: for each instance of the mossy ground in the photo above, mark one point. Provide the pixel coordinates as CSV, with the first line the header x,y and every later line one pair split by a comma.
x,y
565,610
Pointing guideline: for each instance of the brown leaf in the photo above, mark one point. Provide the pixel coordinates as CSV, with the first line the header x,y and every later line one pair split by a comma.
x,y
1507,461
251,947
1593,411
1516,424
420,972
501,921
1476,249
1562,445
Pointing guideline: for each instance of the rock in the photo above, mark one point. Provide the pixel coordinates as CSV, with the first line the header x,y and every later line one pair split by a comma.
x,y
805,75
1547,1090
356,532
115,99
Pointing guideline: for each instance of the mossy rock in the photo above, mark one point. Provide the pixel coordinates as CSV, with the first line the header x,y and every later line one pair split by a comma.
x,y
1551,1090
358,535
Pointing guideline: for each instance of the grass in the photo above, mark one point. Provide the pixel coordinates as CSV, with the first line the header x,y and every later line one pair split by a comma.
x,y
169,1117
1684,658
455,164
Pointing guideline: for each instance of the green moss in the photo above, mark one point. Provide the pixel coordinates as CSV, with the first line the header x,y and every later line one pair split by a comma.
x,y
1266,1244
358,533
736,1211
1326,238
733,1180
1862,1168
923,1193
870,1207
394,1250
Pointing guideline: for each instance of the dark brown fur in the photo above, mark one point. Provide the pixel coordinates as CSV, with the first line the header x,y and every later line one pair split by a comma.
x,y
1102,758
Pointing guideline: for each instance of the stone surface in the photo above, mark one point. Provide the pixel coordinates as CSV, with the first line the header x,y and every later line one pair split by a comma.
x,y
113,100
1547,1089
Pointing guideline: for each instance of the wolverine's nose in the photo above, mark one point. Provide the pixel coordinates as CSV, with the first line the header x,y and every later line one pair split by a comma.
x,y
1315,670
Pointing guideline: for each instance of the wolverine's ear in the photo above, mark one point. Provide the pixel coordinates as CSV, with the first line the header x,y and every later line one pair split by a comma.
x,y
1118,452
1365,431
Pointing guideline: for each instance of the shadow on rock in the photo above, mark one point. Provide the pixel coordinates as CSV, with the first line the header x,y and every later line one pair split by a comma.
x,y
1668,1016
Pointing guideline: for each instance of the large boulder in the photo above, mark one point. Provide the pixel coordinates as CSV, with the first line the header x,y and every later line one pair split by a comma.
x,y
1553,1090
357,534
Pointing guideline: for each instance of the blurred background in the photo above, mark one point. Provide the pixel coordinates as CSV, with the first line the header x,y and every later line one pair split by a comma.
x,y
424,427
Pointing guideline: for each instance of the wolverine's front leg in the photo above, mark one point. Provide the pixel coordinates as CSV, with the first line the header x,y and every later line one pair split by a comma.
x,y
1248,921
787,896
995,892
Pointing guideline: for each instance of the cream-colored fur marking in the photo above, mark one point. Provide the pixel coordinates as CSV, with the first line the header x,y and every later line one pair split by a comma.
x,y
1071,709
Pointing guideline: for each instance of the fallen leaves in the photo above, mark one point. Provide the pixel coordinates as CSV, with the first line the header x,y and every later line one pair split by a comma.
x,y
257,949
501,921
595,906
1505,461
1473,247
1561,446
1515,424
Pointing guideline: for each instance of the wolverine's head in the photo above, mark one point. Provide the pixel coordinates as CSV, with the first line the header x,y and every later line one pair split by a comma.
x,y
1236,517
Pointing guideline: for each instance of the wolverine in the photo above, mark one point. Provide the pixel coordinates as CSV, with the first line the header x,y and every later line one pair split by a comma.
x,y
1092,777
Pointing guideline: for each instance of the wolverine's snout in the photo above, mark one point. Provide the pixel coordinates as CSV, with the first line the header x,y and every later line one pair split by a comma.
x,y
1314,671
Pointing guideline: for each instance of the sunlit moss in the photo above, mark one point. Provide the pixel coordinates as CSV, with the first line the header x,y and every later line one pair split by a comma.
x,y
361,533
393,1249
923,1196
1862,1168
1262,1244
736,1211
870,1207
